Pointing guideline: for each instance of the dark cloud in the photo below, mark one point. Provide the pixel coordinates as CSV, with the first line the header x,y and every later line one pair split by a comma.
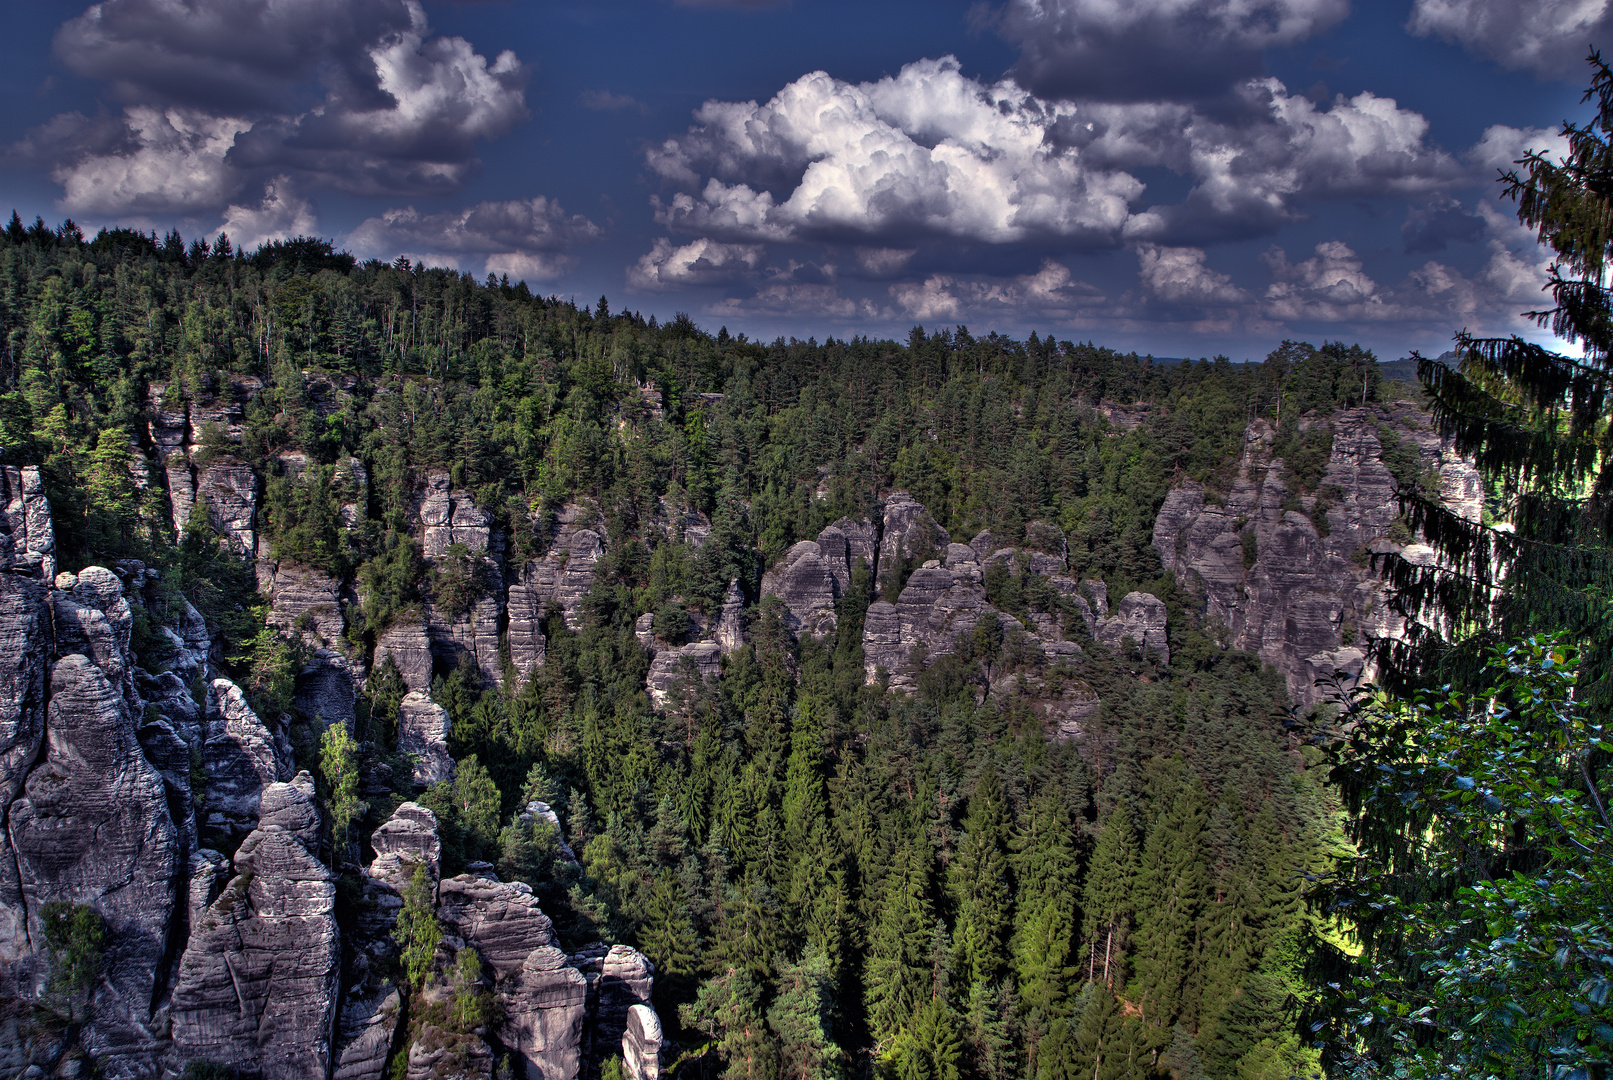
x,y
1430,229
226,96
1152,50
1547,37
232,56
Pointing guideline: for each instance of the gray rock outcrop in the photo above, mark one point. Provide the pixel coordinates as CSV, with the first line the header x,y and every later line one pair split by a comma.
x,y
92,827
562,576
259,979
908,530
935,608
809,587
697,662
240,757
502,919
24,663
1139,616
641,1044
423,727
407,645
27,535
1307,599
544,1005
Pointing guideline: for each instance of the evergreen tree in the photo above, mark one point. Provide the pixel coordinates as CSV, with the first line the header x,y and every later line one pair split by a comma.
x,y
898,968
800,1019
1536,425
1110,902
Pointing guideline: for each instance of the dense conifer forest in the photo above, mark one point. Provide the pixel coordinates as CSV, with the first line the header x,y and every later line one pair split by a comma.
x,y
831,878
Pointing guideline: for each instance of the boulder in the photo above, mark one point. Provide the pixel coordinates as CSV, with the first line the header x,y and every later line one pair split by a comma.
x,y
641,1044
365,1030
423,734
626,979
526,606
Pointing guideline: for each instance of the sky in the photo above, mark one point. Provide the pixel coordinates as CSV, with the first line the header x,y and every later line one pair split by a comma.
x,y
1179,177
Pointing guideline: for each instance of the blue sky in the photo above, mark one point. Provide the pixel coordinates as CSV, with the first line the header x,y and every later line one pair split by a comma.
x,y
1183,177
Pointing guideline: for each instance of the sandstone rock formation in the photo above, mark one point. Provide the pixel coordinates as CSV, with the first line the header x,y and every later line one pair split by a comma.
x,y
24,662
1139,616
259,979
92,827
423,734
1307,599
908,530
641,1044
406,643
562,576
935,608
809,587
696,662
240,757
502,919
27,536
544,1006
304,602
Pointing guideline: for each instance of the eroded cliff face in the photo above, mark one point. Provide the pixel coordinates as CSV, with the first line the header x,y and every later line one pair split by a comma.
x,y
1288,572
163,803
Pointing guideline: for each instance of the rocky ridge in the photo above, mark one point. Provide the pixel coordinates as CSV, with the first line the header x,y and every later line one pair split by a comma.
x,y
1288,572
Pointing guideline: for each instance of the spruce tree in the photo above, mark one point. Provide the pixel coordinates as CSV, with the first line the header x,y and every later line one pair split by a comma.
x,y
1535,422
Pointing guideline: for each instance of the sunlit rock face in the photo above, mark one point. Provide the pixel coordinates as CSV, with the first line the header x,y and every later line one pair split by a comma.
x,y
1287,572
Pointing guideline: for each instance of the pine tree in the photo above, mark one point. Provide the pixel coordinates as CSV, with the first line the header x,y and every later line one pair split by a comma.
x,y
418,931
800,1019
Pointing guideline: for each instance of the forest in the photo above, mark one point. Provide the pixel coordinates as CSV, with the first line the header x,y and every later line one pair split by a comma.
x,y
833,878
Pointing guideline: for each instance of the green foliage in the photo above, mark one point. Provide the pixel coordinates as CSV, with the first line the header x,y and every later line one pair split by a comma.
x,y
417,932
1481,893
75,940
457,579
476,798
338,767
390,580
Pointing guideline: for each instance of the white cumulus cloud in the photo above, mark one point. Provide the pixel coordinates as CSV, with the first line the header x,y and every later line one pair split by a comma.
x,y
928,151
278,215
931,153
1051,292
700,262
1178,275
